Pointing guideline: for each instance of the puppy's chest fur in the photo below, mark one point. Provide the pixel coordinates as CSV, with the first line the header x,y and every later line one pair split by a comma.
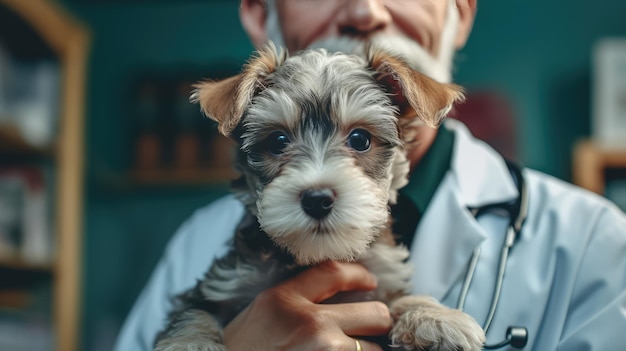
x,y
254,263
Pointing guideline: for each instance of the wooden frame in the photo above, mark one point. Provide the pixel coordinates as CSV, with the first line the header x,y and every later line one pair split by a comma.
x,y
590,163
70,40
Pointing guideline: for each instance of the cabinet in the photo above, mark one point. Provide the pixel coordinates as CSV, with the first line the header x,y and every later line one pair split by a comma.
x,y
591,163
173,143
42,29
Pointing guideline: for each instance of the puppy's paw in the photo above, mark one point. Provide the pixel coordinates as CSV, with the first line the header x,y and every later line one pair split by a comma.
x,y
421,323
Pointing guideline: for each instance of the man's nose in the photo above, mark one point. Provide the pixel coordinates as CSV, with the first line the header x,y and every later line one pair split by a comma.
x,y
363,17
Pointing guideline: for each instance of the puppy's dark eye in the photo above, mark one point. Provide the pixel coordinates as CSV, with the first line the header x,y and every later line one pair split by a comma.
x,y
276,142
360,140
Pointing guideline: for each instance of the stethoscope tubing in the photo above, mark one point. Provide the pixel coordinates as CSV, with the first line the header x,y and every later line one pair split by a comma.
x,y
504,256
469,277
517,213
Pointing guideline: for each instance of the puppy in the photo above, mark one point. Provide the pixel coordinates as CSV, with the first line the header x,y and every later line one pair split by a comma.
x,y
323,140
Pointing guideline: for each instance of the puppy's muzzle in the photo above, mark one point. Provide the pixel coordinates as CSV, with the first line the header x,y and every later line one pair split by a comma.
x,y
317,203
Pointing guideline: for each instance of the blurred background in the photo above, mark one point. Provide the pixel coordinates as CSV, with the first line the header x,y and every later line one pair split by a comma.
x,y
102,157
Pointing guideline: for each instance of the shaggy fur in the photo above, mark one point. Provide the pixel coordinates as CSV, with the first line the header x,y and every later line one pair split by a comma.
x,y
323,143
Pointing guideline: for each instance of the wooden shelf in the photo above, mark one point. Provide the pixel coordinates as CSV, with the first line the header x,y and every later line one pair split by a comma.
x,y
18,264
182,177
590,162
67,40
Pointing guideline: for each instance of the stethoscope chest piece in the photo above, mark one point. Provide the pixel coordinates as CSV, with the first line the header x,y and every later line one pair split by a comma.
x,y
517,337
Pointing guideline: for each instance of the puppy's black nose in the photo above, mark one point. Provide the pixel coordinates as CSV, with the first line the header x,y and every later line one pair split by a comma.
x,y
317,203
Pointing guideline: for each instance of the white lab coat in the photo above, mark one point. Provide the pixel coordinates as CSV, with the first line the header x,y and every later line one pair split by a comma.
x,y
565,278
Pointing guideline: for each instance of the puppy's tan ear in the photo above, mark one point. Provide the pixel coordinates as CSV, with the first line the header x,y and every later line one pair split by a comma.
x,y
226,101
218,101
431,100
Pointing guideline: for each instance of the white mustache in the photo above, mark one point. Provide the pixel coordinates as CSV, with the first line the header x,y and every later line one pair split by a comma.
x,y
414,54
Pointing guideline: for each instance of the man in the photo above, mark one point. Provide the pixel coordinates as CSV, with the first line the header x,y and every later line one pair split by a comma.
x,y
565,279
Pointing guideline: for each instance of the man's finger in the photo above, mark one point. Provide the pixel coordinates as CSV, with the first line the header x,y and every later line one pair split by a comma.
x,y
362,318
357,344
325,280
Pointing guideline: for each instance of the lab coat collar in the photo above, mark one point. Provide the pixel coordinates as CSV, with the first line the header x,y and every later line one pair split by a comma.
x,y
448,233
480,171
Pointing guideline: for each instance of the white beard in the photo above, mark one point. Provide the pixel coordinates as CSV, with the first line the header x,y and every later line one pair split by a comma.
x,y
438,67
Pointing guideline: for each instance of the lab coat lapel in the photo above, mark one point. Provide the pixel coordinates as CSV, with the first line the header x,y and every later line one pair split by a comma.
x,y
448,233
442,246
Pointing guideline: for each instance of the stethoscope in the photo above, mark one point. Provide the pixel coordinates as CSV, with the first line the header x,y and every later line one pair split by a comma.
x,y
517,210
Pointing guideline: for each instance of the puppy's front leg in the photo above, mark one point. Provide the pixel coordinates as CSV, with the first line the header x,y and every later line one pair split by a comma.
x,y
421,323
191,330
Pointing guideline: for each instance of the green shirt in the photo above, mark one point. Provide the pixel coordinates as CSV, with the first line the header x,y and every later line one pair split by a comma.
x,y
414,198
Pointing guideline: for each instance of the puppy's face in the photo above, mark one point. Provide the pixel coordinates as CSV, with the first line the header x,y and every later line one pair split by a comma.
x,y
320,140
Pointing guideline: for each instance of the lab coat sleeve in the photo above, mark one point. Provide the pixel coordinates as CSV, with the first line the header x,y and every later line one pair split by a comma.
x,y
596,319
188,255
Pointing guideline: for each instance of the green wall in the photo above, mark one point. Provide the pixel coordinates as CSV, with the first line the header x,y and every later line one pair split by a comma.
x,y
127,226
534,52
538,53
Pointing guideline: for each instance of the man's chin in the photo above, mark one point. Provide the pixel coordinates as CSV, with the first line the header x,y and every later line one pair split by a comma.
x,y
414,54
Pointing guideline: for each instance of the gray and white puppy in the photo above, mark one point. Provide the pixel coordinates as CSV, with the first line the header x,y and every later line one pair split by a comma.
x,y
323,144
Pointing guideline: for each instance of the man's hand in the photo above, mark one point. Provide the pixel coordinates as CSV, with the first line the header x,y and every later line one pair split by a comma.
x,y
289,316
